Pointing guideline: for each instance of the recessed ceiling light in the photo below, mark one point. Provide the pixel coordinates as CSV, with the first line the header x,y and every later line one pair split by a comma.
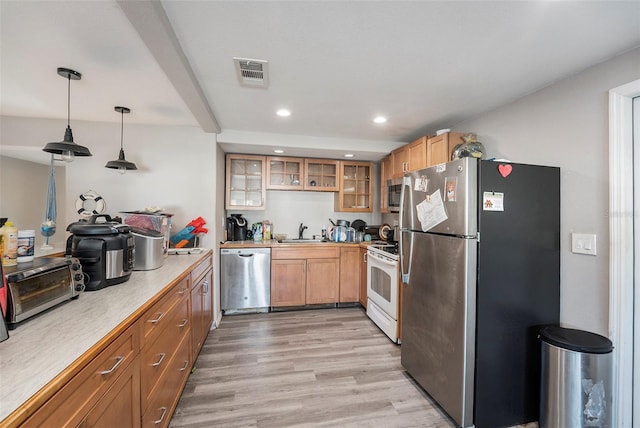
x,y
279,151
379,119
349,155
283,112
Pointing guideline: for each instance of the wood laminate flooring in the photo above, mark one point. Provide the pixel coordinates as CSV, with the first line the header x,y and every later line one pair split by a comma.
x,y
320,368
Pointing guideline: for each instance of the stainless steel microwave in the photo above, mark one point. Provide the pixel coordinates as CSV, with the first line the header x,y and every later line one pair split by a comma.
x,y
36,286
394,188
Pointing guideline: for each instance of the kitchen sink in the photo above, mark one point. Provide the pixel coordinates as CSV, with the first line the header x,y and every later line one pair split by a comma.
x,y
301,241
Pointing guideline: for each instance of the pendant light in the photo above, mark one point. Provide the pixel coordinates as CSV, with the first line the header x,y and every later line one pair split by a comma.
x,y
121,164
67,148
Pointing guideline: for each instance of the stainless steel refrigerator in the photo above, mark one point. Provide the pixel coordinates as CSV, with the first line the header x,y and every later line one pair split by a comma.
x,y
480,257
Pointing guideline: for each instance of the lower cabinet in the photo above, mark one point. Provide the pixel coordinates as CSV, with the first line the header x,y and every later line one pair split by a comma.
x,y
349,274
201,308
106,392
304,276
363,277
137,379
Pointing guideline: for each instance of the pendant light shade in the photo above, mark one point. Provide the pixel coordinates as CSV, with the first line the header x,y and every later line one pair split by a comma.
x,y
121,164
67,148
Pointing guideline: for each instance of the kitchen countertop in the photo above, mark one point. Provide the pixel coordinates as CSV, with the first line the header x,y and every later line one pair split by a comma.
x,y
43,347
275,244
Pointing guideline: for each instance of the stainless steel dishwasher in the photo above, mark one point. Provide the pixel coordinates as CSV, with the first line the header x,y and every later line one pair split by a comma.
x,y
245,281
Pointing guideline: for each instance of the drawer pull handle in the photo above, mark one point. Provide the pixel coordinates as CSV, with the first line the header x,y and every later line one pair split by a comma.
x,y
164,412
205,287
156,364
155,321
184,290
185,322
186,364
119,361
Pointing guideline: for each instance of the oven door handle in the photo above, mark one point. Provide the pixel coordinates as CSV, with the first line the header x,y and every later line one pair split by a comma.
x,y
382,260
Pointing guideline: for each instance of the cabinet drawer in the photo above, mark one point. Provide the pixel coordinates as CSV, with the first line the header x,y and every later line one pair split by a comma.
x,y
69,405
157,317
163,400
200,270
317,251
156,355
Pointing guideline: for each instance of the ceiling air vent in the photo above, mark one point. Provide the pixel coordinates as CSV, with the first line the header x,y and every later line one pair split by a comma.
x,y
252,72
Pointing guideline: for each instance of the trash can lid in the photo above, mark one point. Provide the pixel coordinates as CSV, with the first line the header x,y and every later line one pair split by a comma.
x,y
576,340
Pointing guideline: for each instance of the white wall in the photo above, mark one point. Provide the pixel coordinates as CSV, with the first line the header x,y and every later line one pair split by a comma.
x,y
23,197
176,167
566,125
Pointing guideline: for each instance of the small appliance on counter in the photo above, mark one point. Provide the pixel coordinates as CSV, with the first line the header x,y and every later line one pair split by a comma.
x,y
149,248
236,228
38,285
106,251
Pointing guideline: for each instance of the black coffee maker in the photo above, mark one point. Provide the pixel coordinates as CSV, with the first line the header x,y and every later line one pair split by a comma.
x,y
236,228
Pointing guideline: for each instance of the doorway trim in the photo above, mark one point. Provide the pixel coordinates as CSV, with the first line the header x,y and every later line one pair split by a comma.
x,y
621,296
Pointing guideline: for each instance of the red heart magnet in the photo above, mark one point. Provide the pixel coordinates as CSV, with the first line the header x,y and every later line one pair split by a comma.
x,y
504,170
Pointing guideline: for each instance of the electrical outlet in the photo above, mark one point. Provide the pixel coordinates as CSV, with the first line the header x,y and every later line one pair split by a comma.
x,y
582,243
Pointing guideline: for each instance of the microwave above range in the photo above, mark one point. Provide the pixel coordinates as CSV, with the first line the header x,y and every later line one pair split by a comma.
x,y
43,283
394,189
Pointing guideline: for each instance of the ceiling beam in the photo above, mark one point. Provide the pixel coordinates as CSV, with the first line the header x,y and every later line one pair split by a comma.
x,y
150,20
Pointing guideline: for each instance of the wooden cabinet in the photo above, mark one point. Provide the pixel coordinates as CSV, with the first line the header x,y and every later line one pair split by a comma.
x,y
136,376
323,281
166,346
288,282
356,187
106,390
400,158
386,173
418,154
363,277
305,275
321,175
245,182
284,173
201,304
349,274
440,147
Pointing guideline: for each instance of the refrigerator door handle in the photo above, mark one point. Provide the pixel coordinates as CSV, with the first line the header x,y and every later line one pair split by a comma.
x,y
406,194
405,261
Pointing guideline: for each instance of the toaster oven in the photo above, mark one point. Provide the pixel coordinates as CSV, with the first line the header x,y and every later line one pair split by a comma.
x,y
43,283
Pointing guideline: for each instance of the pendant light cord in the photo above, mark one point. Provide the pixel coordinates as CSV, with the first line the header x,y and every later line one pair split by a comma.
x,y
68,100
121,127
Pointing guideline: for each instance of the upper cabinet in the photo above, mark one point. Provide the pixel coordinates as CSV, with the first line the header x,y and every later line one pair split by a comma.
x,y
440,147
245,182
321,175
285,173
418,154
400,160
386,173
356,187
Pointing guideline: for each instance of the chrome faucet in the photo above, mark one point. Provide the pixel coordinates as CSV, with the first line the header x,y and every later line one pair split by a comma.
x,y
301,230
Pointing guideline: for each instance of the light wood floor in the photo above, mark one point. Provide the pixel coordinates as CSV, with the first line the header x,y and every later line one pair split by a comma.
x,y
325,367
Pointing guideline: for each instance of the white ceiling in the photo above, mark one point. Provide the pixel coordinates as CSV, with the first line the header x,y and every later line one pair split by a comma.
x,y
425,65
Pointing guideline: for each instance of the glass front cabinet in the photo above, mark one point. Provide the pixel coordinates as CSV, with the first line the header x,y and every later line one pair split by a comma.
x,y
356,187
321,175
245,182
285,173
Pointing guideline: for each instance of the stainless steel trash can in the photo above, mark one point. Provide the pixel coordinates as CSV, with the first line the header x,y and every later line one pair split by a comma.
x,y
575,384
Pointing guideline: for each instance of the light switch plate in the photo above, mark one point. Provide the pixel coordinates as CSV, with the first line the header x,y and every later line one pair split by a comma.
x,y
583,243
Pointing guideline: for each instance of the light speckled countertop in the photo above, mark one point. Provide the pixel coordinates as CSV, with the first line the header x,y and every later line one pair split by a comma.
x,y
42,347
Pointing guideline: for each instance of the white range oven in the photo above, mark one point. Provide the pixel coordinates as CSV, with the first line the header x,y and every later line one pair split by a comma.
x,y
383,288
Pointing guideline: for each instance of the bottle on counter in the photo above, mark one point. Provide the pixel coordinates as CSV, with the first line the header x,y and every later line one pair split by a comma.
x,y
26,245
10,244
